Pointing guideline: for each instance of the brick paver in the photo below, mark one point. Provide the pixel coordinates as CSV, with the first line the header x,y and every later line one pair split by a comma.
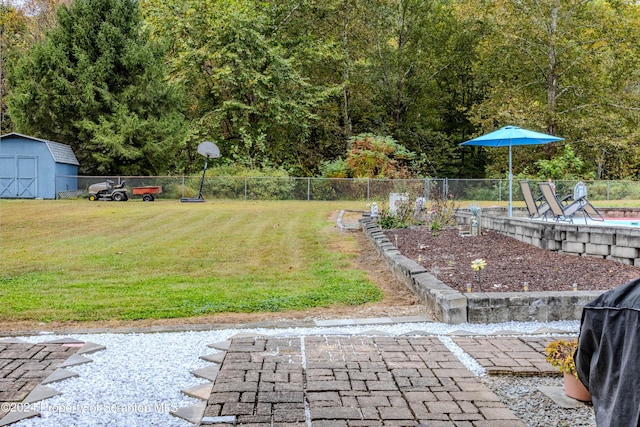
x,y
509,355
351,381
23,366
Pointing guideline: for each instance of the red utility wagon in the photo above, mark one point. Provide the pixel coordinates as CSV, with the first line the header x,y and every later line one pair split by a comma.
x,y
147,192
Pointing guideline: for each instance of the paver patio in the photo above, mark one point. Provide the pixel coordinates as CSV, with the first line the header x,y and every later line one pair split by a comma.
x,y
350,381
509,355
25,368
329,380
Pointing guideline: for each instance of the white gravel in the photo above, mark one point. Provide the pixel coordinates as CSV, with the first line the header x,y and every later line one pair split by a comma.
x,y
522,396
137,380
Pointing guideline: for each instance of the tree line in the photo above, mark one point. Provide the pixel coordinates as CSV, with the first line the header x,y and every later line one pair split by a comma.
x,y
380,88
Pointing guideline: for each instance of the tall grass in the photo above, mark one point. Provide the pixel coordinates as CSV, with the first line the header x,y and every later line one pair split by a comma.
x,y
78,260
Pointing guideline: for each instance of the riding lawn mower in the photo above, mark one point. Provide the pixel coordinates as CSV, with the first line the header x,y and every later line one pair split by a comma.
x,y
108,191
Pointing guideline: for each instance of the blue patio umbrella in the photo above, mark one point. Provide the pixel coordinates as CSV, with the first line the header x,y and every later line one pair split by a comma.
x,y
509,136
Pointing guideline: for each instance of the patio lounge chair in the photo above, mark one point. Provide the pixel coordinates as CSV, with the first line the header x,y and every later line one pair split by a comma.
x,y
537,207
580,194
566,212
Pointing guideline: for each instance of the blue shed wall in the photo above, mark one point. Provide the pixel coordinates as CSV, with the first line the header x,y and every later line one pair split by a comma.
x,y
66,177
18,155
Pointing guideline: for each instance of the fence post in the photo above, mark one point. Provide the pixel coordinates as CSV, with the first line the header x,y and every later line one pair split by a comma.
x,y
245,189
183,186
368,189
308,189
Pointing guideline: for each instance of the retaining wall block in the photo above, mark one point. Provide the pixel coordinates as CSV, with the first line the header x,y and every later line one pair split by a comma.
x,y
627,238
560,232
477,300
478,316
518,299
608,237
561,306
536,310
405,268
500,226
594,249
379,236
549,233
390,254
520,313
391,258
447,305
624,252
428,281
498,299
518,229
433,302
499,314
539,308
367,225
388,250
551,245
452,299
577,236
557,235
421,285
455,316
411,267
513,306
572,247
382,241
534,232
454,306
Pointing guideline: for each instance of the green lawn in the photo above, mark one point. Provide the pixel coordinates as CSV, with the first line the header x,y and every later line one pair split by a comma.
x,y
80,261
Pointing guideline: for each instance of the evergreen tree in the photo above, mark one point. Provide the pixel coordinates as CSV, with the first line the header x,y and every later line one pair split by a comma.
x,y
97,83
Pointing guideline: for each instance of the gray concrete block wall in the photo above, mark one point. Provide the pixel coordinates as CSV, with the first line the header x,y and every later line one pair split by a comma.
x,y
445,304
528,306
620,244
450,306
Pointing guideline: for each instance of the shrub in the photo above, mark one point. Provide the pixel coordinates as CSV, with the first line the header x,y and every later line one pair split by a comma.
x,y
560,355
441,210
237,181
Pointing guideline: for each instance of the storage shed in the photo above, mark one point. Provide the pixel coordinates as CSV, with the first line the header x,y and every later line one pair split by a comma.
x,y
34,168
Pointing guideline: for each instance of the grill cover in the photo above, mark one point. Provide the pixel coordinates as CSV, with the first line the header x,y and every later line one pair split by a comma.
x,y
608,355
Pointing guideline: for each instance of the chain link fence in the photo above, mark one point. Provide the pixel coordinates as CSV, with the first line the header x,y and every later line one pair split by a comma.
x,y
274,188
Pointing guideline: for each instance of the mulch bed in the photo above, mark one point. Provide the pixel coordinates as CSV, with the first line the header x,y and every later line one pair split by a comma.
x,y
509,262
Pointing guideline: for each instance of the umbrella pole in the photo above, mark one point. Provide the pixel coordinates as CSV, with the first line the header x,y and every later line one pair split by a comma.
x,y
510,183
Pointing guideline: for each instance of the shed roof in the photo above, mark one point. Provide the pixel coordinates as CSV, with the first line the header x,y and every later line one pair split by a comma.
x,y
61,153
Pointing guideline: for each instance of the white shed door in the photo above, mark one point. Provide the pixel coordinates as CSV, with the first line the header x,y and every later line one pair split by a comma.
x,y
27,176
8,176
18,176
